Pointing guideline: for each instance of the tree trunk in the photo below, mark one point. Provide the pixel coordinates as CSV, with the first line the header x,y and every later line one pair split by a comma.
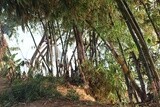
x,y
137,64
37,51
80,52
139,40
152,22
130,88
125,69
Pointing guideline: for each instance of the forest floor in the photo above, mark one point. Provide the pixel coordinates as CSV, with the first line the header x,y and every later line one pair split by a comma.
x,y
85,100
62,103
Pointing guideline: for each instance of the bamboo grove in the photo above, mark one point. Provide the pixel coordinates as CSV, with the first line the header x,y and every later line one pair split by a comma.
x,y
120,37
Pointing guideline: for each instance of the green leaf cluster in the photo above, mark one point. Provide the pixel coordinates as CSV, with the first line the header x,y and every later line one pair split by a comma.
x,y
28,91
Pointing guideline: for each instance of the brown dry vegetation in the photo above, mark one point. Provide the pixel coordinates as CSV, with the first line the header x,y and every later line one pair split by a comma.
x,y
84,101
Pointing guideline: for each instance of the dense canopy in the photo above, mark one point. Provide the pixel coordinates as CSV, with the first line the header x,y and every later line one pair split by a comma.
x,y
116,43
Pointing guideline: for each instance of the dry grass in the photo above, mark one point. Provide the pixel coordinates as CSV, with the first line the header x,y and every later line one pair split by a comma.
x,y
79,90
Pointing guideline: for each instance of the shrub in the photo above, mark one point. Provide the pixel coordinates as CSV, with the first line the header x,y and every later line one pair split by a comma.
x,y
99,84
27,91
72,95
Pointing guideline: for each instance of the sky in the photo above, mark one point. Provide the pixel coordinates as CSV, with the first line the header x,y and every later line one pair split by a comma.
x,y
24,41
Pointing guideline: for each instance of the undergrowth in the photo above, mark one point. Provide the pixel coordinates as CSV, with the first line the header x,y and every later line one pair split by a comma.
x,y
99,84
27,91
72,95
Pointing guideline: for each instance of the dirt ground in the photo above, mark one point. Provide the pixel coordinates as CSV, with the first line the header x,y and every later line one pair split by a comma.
x,y
58,102
85,100
62,103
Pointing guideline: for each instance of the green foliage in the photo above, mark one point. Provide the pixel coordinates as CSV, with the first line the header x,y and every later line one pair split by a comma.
x,y
8,61
99,84
72,95
102,16
27,91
